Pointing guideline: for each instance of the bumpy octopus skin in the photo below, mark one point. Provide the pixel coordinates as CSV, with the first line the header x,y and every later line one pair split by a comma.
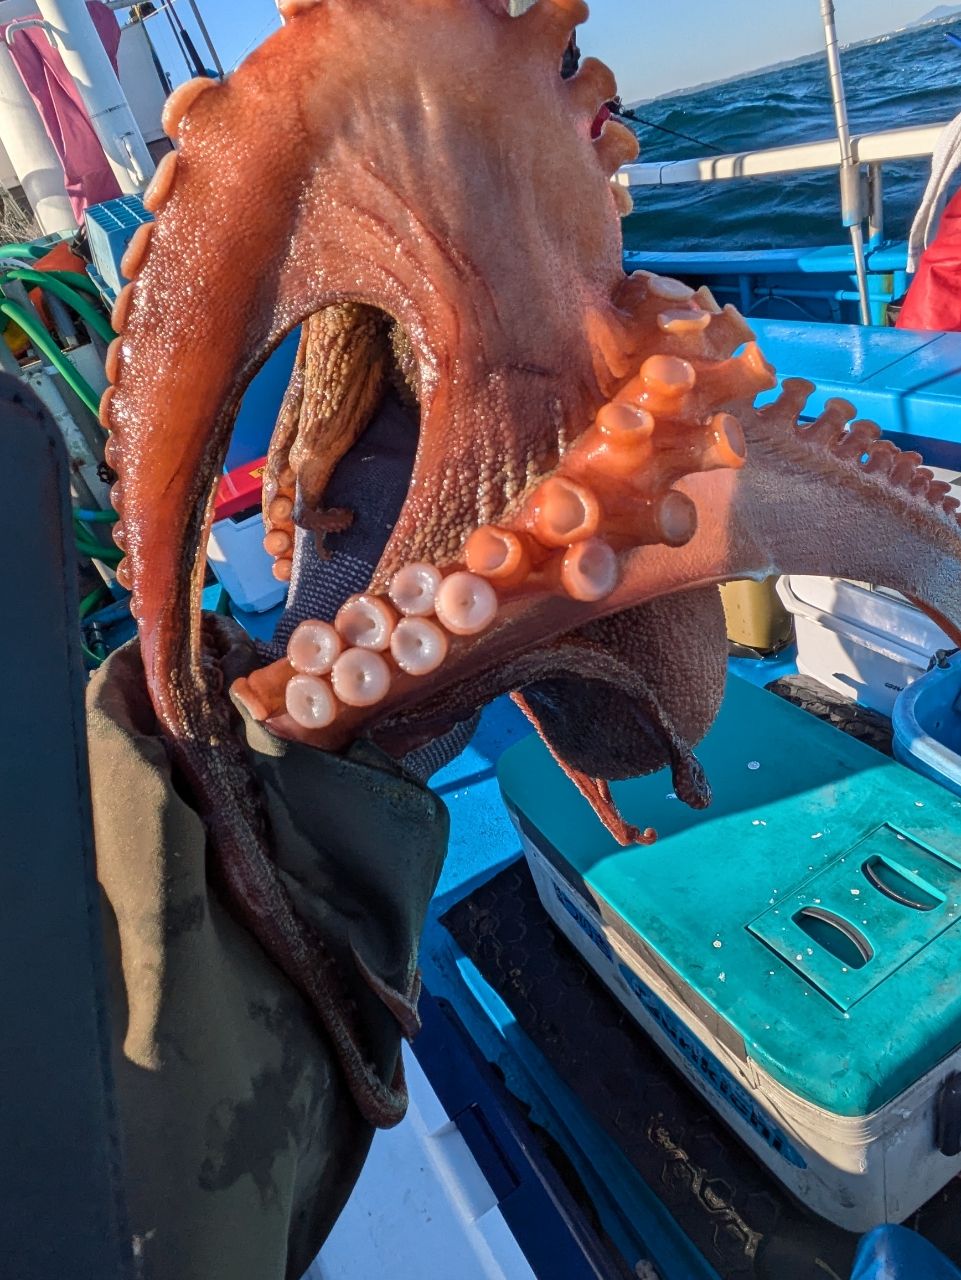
x,y
590,461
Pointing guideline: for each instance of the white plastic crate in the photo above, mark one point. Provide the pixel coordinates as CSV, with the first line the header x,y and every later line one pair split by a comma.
x,y
863,643
243,568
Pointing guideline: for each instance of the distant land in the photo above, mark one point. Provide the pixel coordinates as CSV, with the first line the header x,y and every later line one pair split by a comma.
x,y
941,13
937,15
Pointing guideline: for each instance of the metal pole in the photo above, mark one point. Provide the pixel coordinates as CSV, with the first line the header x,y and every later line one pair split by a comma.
x,y
851,210
206,35
86,60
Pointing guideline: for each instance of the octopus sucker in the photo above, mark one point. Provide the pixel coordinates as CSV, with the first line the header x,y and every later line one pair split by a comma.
x,y
104,407
498,554
553,19
133,259
121,309
669,290
179,103
465,603
111,361
360,677
289,9
589,570
413,589
592,86
563,512
617,145
310,701
161,184
667,377
418,646
366,622
683,321
313,648
590,460
623,200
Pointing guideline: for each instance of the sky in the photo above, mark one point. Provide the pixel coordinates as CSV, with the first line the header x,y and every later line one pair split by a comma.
x,y
653,46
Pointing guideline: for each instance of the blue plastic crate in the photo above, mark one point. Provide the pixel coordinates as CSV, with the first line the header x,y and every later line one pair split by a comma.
x,y
927,724
110,228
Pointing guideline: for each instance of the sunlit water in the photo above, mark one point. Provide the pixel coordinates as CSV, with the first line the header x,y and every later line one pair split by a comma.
x,y
907,79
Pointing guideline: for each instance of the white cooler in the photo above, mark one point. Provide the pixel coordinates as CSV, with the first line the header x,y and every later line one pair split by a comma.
x,y
795,950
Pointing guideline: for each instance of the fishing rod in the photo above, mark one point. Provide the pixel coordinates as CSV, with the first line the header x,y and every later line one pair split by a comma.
x,y
628,113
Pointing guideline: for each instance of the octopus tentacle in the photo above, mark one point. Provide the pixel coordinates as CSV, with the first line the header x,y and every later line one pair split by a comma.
x,y
344,375
280,481
334,389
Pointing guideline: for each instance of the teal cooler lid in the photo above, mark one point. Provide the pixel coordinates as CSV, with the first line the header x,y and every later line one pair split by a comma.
x,y
813,908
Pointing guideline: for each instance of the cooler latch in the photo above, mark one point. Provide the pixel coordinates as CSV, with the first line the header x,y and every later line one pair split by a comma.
x,y
948,1123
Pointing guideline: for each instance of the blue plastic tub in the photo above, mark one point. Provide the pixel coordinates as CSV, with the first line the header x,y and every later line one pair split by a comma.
x,y
927,724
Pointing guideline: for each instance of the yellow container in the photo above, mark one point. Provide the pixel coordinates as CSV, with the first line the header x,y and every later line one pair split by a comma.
x,y
755,617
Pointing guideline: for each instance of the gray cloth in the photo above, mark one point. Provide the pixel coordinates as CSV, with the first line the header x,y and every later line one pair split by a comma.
x,y
371,480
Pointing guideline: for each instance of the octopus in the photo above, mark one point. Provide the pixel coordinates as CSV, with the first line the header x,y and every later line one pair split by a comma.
x,y
415,185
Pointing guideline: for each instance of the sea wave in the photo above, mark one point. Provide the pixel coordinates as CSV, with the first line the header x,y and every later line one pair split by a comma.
x,y
908,78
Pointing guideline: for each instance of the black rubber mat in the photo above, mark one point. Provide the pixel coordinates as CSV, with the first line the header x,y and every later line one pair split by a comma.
x,y
744,1223
818,700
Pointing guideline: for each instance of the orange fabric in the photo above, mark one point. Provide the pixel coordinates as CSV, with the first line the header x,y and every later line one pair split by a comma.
x,y
60,258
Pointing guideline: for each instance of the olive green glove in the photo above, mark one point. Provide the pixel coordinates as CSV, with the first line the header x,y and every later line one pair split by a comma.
x,y
241,1141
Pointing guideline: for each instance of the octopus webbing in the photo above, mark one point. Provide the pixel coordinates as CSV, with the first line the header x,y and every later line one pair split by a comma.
x,y
414,183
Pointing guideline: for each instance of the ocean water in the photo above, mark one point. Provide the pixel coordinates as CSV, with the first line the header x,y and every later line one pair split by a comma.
x,y
910,78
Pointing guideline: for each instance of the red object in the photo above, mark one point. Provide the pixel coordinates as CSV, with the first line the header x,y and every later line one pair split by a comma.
x,y
240,489
934,298
88,177
600,120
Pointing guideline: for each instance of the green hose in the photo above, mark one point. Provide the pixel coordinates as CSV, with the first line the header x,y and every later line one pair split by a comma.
x,y
92,657
23,250
88,545
45,344
75,279
90,602
66,293
96,551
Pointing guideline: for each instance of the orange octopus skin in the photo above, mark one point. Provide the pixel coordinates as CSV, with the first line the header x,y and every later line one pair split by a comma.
x,y
601,428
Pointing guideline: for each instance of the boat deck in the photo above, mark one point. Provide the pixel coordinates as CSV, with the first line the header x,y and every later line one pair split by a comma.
x,y
908,382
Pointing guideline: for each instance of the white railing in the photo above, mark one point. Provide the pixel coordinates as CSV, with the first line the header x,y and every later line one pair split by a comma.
x,y
869,148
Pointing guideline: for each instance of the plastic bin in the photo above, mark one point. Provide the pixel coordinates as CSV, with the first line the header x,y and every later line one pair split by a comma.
x,y
927,724
236,554
110,228
864,643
